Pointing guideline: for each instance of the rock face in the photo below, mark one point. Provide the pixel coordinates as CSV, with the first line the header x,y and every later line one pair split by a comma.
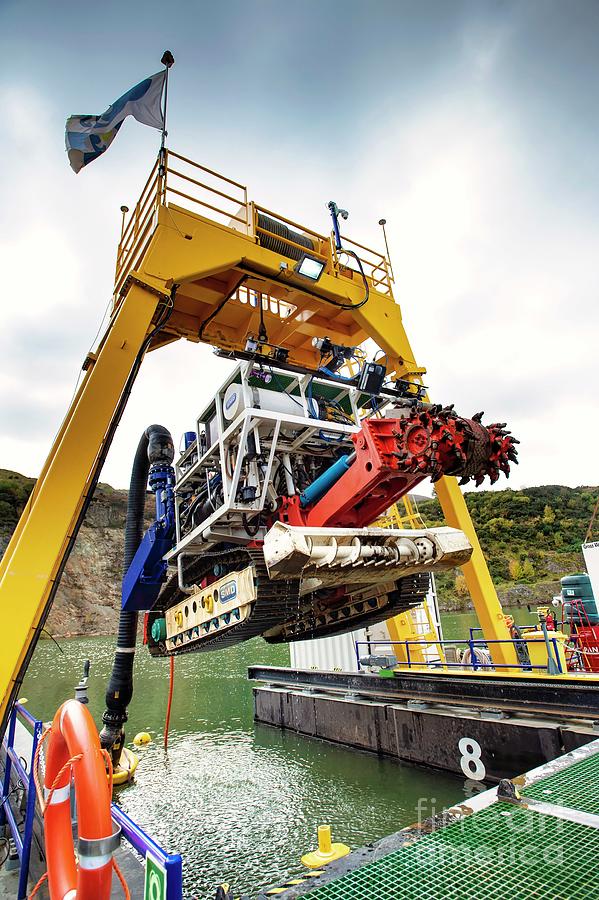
x,y
88,599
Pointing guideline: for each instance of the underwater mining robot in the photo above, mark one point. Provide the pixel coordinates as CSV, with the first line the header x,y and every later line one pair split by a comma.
x,y
267,521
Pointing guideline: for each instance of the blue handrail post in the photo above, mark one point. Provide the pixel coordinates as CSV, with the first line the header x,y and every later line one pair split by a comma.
x,y
10,741
24,773
408,655
29,817
557,656
473,659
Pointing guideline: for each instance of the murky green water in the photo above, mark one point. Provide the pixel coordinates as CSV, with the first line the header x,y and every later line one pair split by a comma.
x,y
240,802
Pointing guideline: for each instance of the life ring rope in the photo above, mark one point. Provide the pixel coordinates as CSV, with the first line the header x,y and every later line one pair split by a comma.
x,y
88,848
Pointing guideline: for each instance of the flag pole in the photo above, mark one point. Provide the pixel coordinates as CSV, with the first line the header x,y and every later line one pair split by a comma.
x,y
167,61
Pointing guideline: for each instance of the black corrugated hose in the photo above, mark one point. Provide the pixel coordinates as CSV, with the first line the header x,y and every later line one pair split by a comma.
x,y
155,447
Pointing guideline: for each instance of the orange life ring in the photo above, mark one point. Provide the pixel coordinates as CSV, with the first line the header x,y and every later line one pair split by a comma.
x,y
74,733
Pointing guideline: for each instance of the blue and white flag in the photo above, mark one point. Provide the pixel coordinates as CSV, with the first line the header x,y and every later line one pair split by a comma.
x,y
87,137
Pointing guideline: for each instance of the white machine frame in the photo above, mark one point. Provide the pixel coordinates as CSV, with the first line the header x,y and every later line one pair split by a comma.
x,y
270,430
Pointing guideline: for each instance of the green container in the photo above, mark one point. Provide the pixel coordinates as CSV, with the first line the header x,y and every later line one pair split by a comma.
x,y
580,605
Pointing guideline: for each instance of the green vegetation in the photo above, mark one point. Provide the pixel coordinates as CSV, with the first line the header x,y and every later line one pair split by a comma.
x,y
14,493
529,537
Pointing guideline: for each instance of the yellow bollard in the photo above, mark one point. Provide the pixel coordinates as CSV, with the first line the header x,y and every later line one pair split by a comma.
x,y
327,851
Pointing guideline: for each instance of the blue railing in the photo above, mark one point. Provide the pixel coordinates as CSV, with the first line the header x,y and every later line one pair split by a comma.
x,y
162,868
473,645
14,767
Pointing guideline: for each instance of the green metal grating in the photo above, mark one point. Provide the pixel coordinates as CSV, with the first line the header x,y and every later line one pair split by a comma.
x,y
576,787
501,853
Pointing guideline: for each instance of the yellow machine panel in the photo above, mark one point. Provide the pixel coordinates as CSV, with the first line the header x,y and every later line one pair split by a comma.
x,y
219,607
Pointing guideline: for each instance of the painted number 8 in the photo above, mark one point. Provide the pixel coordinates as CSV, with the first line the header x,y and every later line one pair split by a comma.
x,y
471,764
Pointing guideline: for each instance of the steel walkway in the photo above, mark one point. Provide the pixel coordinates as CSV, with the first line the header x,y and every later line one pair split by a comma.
x,y
543,844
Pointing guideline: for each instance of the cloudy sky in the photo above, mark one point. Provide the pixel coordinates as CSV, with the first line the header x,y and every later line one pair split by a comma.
x,y
471,125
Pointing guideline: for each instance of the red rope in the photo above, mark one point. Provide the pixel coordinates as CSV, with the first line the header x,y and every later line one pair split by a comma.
x,y
170,699
122,880
38,885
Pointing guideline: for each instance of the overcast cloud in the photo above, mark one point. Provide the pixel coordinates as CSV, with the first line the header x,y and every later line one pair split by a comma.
x,y
471,126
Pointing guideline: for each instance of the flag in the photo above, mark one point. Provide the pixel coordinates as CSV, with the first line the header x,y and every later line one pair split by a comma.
x,y
87,137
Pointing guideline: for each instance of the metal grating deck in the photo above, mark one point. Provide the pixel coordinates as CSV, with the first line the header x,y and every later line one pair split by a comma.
x,y
500,853
576,787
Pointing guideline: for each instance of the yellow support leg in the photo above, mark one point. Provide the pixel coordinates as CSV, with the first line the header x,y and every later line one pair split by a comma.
x,y
33,560
478,578
384,324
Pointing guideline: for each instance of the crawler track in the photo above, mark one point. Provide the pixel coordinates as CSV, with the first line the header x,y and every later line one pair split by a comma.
x,y
279,614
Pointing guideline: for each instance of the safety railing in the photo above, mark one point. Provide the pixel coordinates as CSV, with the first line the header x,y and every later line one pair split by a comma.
x,y
138,229
376,266
19,777
164,871
475,659
177,178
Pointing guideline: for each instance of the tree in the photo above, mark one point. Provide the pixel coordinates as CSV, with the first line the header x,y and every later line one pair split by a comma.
x,y
515,569
528,570
461,588
548,515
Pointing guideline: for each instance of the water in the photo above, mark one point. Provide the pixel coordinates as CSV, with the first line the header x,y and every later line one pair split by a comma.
x,y
240,801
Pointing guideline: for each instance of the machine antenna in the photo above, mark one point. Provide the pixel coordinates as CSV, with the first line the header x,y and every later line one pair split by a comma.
x,y
167,61
124,211
382,223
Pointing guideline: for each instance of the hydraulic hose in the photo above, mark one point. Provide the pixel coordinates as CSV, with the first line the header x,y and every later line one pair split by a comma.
x,y
155,448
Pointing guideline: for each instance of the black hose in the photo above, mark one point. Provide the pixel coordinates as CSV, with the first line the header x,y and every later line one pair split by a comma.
x,y
155,447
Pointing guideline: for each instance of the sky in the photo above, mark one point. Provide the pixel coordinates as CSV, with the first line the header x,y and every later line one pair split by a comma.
x,y
470,125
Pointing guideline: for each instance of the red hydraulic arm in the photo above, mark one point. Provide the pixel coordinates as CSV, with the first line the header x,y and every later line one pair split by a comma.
x,y
392,456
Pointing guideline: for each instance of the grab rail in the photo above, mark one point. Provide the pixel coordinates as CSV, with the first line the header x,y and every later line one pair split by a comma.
x,y
225,201
13,761
473,645
164,871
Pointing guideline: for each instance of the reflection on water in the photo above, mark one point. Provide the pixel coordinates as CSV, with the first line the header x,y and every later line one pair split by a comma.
x,y
240,802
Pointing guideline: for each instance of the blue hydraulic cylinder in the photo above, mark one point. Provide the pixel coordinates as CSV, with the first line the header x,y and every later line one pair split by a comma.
x,y
324,482
334,211
147,572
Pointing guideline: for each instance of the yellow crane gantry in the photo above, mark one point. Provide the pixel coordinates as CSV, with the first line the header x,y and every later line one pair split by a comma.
x,y
198,260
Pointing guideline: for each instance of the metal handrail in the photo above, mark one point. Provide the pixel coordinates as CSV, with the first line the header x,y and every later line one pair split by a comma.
x,y
472,644
280,218
152,177
206,169
7,815
170,863
290,242
155,194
